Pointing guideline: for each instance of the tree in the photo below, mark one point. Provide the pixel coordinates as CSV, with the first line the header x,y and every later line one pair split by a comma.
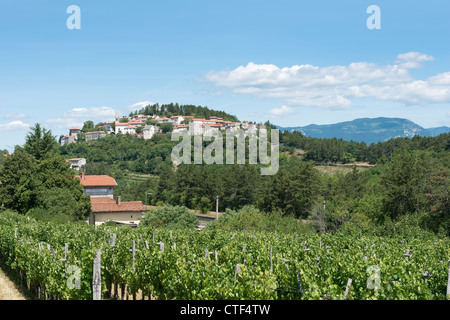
x,y
88,126
400,183
174,217
17,182
166,127
40,142
48,184
35,177
139,129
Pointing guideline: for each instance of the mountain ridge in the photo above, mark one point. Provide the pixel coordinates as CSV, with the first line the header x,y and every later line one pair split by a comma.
x,y
368,130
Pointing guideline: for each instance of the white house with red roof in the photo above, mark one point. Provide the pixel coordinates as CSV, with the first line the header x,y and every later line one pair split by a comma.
x,y
77,163
104,207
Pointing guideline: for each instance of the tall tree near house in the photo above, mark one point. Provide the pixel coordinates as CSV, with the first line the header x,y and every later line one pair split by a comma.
x,y
17,177
34,176
40,142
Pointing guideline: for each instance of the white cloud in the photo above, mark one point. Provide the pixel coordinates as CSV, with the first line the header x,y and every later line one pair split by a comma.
x,y
412,60
95,112
283,111
15,116
139,105
14,125
77,116
334,87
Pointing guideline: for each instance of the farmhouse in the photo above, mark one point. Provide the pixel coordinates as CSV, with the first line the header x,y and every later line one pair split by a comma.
x,y
97,186
123,212
104,207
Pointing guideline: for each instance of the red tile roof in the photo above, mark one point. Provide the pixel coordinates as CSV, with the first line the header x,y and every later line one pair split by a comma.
x,y
107,204
97,181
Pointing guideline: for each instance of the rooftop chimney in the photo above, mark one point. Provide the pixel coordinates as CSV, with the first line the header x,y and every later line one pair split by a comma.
x,y
82,175
118,200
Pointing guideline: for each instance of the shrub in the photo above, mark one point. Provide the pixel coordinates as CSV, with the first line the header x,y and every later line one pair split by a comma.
x,y
173,217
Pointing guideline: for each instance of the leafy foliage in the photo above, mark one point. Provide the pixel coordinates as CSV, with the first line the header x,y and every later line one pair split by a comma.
x,y
173,217
204,265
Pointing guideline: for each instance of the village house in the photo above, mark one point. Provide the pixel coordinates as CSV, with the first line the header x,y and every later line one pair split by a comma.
x,y
77,163
149,131
68,139
95,135
162,120
176,119
129,129
74,131
109,127
120,127
180,127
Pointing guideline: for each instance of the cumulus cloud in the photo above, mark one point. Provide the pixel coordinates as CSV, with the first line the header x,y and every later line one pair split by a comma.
x,y
334,87
139,105
77,116
13,125
412,60
95,112
283,111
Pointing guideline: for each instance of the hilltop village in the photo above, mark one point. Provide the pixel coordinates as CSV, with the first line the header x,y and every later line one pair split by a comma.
x,y
146,127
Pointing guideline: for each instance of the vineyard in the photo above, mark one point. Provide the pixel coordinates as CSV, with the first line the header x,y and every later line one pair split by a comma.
x,y
56,262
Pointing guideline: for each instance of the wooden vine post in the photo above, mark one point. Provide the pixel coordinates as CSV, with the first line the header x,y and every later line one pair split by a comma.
x,y
448,285
97,277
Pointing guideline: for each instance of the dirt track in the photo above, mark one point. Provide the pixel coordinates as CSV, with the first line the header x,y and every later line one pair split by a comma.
x,y
8,290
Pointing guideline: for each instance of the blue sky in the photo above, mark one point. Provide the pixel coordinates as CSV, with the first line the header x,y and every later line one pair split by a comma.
x,y
291,62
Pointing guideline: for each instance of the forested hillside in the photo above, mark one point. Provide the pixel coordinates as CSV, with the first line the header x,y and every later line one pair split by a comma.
x,y
408,185
171,109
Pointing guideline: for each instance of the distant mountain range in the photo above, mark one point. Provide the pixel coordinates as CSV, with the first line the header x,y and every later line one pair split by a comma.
x,y
369,130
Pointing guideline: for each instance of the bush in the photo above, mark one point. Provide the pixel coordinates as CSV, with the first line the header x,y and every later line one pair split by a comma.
x,y
173,217
408,226
250,218
44,215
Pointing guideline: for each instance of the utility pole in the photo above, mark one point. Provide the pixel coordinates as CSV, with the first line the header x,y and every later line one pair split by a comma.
x,y
146,198
217,207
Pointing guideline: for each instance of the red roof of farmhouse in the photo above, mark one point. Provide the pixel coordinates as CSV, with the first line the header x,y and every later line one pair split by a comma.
x,y
107,204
